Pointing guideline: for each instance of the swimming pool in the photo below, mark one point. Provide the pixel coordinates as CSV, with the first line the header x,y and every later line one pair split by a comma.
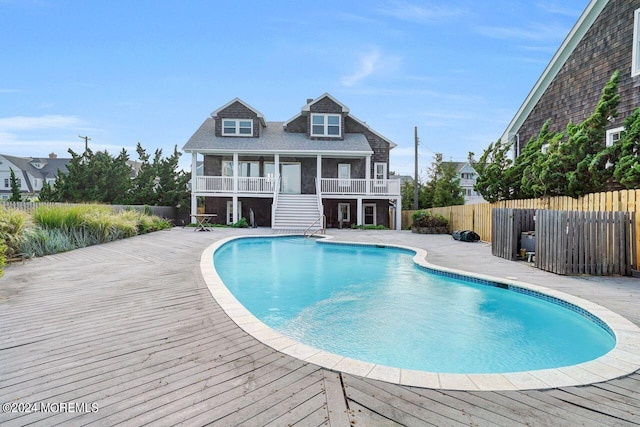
x,y
358,315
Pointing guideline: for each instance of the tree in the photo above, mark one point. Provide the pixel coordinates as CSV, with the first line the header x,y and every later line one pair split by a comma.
x,y
626,169
494,181
143,186
15,188
95,177
425,195
444,184
527,171
173,183
46,192
585,144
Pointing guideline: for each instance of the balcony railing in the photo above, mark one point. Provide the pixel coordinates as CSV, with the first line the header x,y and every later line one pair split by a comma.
x,y
384,187
224,184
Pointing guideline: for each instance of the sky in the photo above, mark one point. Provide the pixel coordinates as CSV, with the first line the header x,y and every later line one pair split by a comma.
x,y
123,72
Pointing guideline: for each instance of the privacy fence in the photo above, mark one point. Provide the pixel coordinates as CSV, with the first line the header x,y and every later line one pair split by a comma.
x,y
479,217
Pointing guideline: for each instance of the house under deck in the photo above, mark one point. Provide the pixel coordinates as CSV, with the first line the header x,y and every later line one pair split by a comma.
x,y
292,190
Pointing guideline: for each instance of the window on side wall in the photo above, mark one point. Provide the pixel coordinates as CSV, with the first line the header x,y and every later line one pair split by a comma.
x,y
237,127
614,135
326,125
635,55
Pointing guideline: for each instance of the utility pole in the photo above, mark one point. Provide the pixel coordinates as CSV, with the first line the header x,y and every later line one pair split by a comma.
x,y
415,182
86,142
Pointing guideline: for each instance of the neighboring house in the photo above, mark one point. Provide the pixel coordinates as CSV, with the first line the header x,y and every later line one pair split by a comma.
x,y
30,173
605,38
287,174
468,177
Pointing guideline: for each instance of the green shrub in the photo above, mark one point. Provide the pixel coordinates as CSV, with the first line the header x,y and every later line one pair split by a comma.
x,y
424,218
3,257
368,227
40,241
242,223
12,225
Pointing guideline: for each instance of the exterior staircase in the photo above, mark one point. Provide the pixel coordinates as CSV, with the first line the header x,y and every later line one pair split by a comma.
x,y
296,212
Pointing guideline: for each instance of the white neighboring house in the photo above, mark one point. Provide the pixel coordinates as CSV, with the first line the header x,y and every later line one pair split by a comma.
x,y
30,173
468,177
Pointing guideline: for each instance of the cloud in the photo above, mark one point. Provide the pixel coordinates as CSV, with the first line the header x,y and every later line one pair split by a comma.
x,y
369,63
416,13
21,123
535,32
557,8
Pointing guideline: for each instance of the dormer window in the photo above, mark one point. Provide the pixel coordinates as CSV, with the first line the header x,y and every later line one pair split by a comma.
x,y
326,125
237,127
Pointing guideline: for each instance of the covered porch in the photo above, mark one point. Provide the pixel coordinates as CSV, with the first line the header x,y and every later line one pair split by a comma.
x,y
238,175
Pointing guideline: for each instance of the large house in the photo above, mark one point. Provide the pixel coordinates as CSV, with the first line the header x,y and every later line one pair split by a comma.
x,y
287,175
467,176
605,38
30,172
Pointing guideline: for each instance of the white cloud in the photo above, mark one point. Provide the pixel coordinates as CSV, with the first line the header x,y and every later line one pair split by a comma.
x,y
368,64
558,8
536,32
416,13
43,122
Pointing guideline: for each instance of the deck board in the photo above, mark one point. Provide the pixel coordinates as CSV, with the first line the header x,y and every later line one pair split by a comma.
x,y
131,326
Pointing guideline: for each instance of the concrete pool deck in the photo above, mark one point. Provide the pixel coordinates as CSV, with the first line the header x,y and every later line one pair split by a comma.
x,y
131,327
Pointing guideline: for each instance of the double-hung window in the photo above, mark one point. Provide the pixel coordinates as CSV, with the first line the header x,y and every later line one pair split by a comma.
x,y
613,136
326,125
635,53
237,127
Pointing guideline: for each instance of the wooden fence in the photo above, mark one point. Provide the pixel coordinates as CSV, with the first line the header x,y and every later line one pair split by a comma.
x,y
579,242
478,217
508,225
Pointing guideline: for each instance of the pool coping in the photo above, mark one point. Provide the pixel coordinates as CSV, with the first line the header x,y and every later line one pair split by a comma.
x,y
622,360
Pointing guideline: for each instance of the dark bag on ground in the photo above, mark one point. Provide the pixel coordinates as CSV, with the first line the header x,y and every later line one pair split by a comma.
x,y
465,236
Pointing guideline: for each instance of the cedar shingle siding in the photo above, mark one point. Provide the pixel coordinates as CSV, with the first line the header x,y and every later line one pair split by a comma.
x,y
574,93
237,111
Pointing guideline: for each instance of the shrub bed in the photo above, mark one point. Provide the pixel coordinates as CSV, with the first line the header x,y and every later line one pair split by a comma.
x,y
52,229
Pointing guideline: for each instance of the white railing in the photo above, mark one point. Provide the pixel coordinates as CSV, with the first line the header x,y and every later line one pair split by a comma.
x,y
319,196
256,185
274,205
389,187
224,184
213,184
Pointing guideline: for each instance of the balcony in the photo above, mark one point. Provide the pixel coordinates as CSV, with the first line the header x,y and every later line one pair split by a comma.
x,y
377,187
224,184
329,186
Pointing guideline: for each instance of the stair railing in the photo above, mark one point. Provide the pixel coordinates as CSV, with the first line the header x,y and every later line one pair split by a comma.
x,y
322,229
274,205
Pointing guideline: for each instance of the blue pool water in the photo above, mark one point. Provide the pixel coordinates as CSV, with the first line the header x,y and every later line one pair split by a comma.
x,y
375,304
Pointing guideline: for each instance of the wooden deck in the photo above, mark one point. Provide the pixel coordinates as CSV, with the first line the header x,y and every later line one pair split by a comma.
x,y
131,327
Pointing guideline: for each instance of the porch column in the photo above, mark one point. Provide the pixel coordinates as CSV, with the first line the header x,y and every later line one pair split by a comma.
x,y
276,167
194,198
236,214
399,213
360,212
319,171
235,175
367,173
234,199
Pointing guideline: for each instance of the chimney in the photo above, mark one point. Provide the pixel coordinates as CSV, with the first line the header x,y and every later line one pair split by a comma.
x,y
309,100
53,156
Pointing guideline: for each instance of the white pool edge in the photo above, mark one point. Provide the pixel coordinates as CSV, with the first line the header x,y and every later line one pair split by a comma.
x,y
622,360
